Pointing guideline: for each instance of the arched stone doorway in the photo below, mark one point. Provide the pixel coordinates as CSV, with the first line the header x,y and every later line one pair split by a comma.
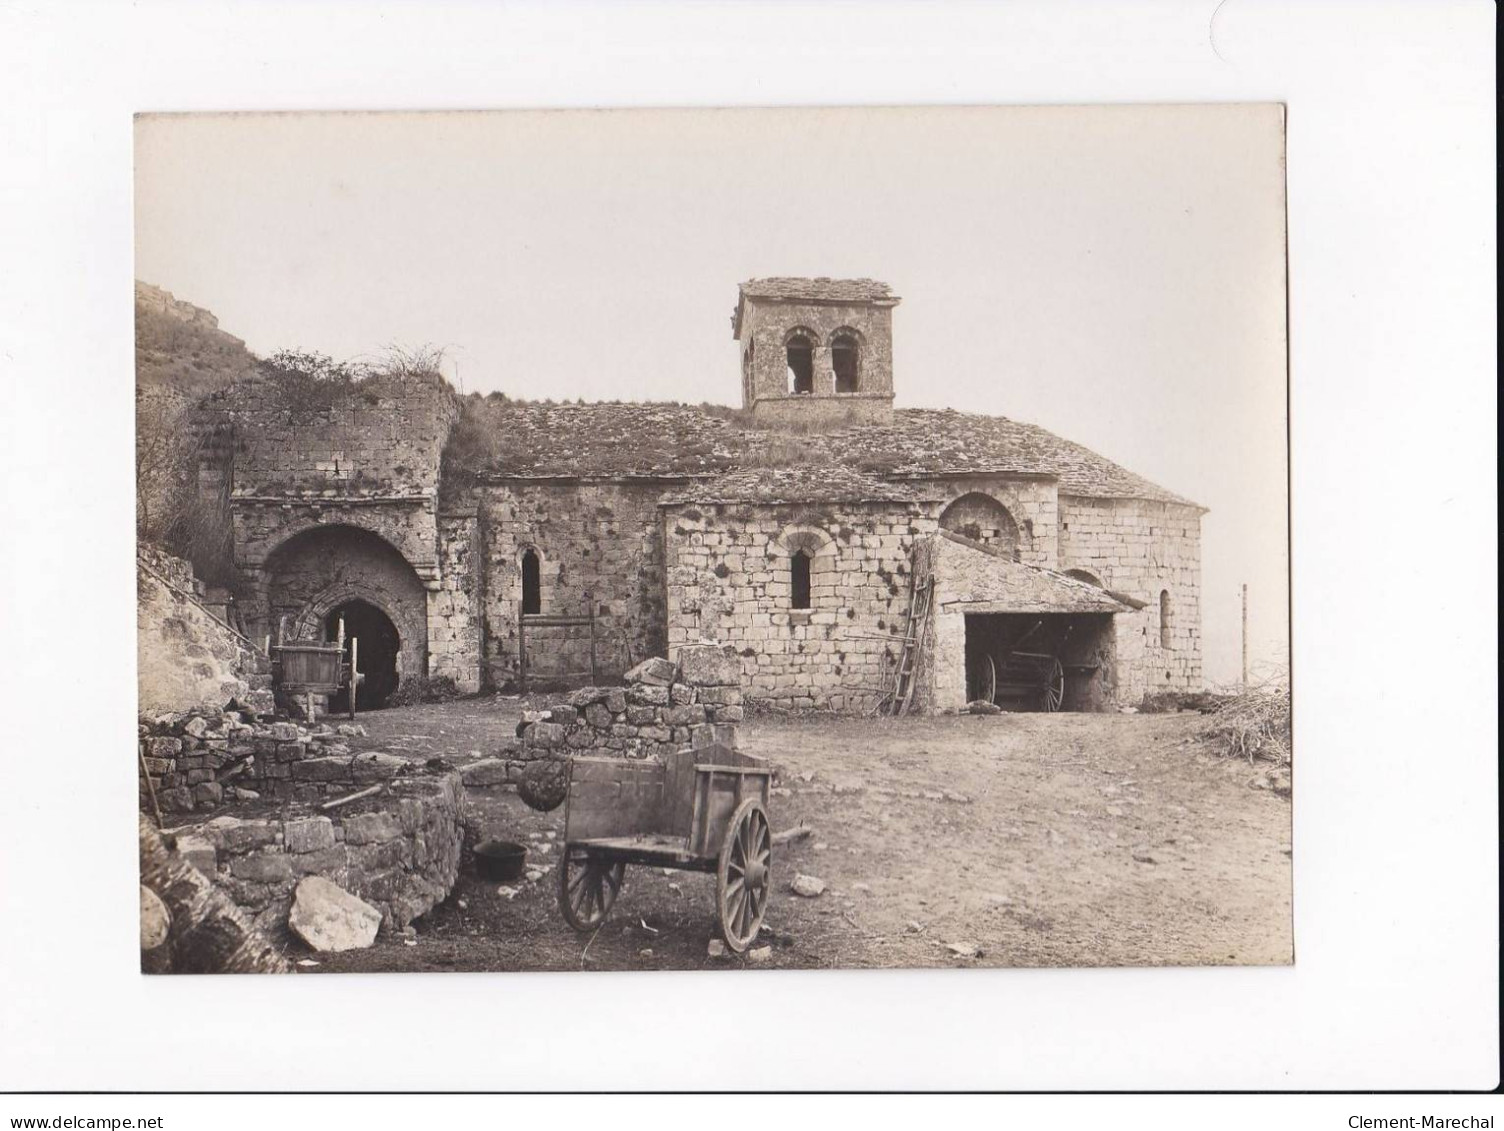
x,y
319,572
378,654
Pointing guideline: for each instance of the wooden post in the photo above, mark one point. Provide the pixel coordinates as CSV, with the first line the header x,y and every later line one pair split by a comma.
x,y
354,671
521,649
151,790
1244,684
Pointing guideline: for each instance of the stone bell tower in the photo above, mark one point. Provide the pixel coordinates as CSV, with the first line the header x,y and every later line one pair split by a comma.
x,y
816,350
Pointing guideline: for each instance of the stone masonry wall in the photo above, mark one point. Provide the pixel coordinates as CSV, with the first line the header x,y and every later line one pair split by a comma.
x,y
314,574
1142,548
662,708
728,581
455,626
205,758
399,852
767,325
600,545
380,436
1031,502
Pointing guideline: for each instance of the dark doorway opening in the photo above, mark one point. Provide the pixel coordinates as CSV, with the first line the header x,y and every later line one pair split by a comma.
x,y
1040,661
379,645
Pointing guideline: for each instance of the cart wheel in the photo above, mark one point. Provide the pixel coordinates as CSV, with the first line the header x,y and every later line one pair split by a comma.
x,y
988,689
588,886
744,877
1052,694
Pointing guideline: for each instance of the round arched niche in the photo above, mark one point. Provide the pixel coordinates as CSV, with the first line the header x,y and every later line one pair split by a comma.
x,y
1085,575
983,519
316,573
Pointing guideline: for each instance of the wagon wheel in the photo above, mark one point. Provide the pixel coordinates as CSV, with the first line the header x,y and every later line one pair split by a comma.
x,y
1052,691
588,886
744,877
989,681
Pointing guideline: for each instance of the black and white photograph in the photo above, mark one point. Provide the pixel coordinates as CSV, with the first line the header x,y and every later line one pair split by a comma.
x,y
749,563
504,605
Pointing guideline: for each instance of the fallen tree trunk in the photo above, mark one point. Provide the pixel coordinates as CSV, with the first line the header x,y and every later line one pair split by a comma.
x,y
207,933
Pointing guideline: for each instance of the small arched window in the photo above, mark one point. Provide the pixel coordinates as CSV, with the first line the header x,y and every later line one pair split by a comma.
x,y
799,563
1164,618
532,589
801,358
845,359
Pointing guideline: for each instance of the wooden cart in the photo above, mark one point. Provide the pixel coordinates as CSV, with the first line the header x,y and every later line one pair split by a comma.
x,y
700,810
303,670
1035,678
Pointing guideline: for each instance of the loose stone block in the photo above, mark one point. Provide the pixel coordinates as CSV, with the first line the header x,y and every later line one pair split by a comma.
x,y
375,766
262,867
308,834
488,772
655,671
709,665
655,695
197,851
320,769
545,735
328,918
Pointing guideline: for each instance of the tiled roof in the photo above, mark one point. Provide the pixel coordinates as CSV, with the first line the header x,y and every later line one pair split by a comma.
x,y
522,439
808,483
817,290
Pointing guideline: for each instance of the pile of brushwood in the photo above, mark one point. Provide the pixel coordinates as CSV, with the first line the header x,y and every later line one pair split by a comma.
x,y
1254,724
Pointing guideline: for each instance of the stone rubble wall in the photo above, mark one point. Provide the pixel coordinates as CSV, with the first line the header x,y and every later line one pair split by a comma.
x,y
1032,504
399,851
186,657
600,549
728,580
663,708
379,436
202,759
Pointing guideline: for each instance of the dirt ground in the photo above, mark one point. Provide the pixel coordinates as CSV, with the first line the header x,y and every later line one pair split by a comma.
x,y
1004,840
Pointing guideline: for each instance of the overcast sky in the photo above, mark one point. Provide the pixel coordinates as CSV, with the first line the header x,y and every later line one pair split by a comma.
x,y
1116,275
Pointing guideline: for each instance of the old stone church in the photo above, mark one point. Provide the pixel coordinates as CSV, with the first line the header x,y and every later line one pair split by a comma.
x,y
491,540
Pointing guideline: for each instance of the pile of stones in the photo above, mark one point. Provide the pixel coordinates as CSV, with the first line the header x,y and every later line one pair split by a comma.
x,y
203,759
662,707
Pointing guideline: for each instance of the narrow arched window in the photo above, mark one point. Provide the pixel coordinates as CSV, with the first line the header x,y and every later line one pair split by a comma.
x,y
532,591
1164,618
747,362
799,563
801,357
846,361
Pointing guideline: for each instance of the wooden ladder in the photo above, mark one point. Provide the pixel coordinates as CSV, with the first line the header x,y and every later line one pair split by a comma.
x,y
915,636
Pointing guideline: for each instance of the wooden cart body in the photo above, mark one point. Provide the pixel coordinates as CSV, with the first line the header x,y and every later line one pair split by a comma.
x,y
698,810
301,671
671,814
